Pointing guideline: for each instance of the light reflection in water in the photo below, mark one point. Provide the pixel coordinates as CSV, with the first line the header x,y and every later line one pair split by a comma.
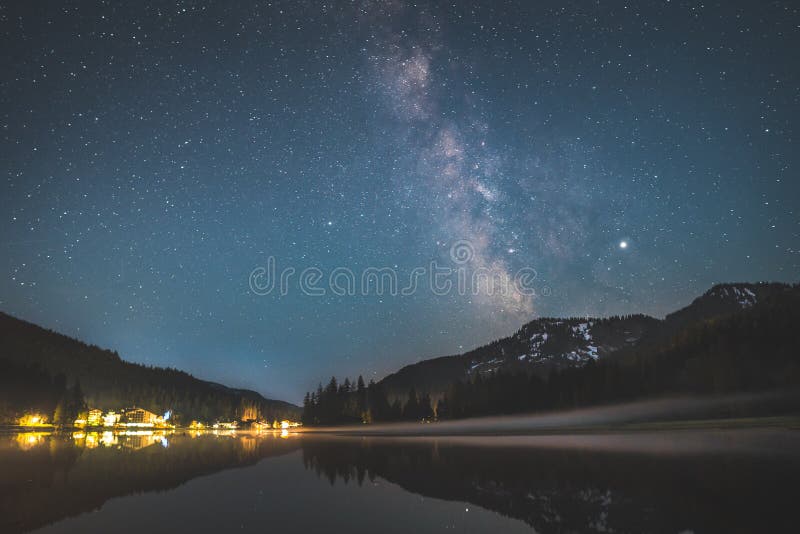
x,y
29,440
552,484
129,439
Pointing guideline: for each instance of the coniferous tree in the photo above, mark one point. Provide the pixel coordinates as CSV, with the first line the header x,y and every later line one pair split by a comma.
x,y
425,408
307,417
361,398
411,408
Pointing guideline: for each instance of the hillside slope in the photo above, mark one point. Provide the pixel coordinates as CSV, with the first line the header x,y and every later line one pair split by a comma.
x,y
108,382
548,345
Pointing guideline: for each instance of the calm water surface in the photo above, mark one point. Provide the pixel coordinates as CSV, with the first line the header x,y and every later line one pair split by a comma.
x,y
182,482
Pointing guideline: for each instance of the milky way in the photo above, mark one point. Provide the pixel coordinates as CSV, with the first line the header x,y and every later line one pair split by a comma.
x,y
630,155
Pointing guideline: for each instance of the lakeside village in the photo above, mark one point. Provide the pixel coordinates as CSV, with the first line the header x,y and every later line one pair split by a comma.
x,y
139,418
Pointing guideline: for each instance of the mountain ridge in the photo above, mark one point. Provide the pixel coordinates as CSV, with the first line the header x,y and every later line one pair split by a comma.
x,y
549,344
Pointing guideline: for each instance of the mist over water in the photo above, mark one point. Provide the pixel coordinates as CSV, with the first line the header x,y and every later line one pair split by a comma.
x,y
583,480
629,416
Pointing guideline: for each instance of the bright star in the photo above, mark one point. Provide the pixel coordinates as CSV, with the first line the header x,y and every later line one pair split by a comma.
x,y
623,245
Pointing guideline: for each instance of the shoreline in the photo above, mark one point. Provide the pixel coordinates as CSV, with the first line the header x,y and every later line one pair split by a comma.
x,y
782,422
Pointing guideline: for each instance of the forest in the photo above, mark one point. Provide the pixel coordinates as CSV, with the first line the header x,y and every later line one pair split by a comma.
x,y
41,370
348,403
752,350
27,390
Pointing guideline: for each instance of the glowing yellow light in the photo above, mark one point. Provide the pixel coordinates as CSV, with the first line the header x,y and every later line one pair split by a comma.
x,y
108,439
32,420
111,419
284,425
28,440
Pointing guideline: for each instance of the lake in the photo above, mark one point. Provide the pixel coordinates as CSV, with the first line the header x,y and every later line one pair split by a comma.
x,y
678,482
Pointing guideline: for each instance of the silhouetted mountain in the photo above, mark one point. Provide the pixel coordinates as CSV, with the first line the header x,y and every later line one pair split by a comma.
x,y
547,345
720,300
750,350
734,338
539,347
37,365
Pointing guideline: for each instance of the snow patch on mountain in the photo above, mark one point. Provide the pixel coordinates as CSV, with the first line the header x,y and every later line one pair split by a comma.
x,y
741,294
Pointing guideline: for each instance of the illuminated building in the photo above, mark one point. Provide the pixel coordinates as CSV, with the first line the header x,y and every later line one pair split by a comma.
x,y
95,417
232,425
111,418
262,425
139,417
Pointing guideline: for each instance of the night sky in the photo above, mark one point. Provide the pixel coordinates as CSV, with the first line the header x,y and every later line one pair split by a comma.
x,y
155,153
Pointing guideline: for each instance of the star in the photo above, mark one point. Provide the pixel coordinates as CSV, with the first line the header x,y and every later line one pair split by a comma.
x,y
430,126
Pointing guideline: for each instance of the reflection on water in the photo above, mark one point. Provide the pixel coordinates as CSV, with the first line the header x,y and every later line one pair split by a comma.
x,y
579,490
135,439
45,477
361,484
28,440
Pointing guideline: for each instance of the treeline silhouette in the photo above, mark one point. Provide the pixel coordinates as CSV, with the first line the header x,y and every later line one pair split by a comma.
x,y
34,355
754,349
350,402
29,390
